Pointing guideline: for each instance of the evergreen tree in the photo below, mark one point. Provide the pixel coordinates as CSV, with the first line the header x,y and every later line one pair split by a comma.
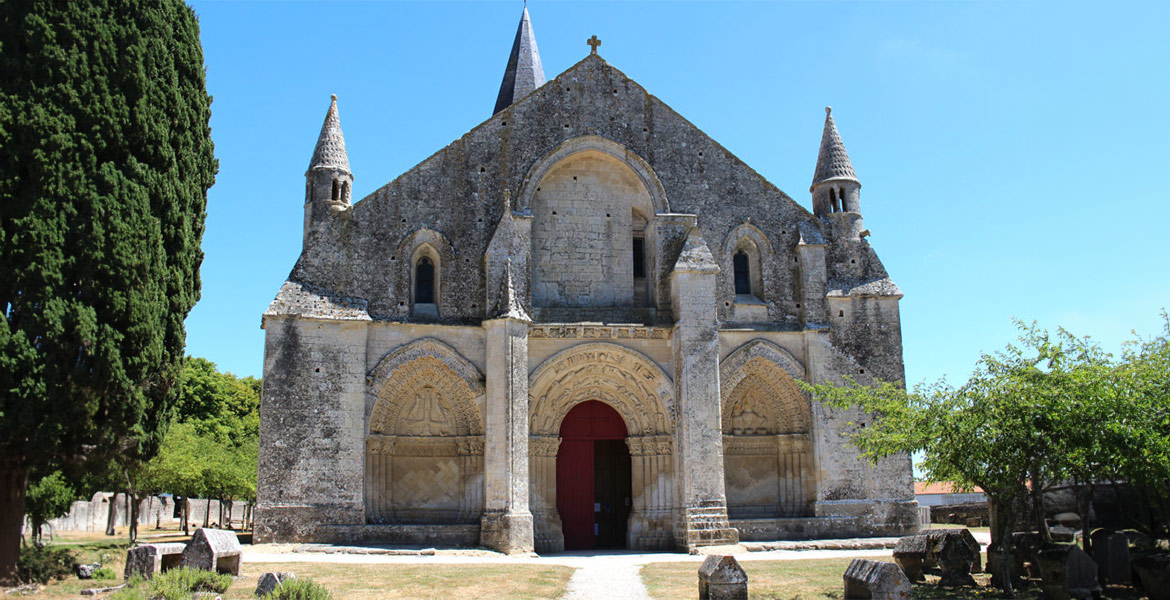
x,y
105,162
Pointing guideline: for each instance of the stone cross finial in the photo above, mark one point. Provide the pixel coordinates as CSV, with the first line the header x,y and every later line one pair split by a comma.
x,y
593,44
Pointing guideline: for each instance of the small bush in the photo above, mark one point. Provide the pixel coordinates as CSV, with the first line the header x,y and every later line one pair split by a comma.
x,y
104,573
41,563
178,584
300,589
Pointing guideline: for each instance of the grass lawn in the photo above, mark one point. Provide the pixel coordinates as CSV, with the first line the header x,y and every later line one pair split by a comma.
x,y
356,582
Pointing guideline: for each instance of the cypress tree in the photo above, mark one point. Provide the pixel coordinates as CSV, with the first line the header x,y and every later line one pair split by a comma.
x,y
105,162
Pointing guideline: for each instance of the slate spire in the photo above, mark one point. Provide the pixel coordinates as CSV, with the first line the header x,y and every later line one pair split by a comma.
x,y
524,72
330,150
833,161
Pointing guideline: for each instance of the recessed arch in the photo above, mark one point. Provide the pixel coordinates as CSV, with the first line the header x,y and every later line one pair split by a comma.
x,y
593,142
629,382
434,246
424,363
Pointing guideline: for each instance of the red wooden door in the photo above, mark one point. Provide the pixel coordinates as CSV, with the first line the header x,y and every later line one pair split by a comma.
x,y
586,423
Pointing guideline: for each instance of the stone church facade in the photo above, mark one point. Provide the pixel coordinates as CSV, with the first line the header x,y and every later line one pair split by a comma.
x,y
579,325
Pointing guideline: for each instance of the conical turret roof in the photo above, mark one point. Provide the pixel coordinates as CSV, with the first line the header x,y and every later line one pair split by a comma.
x,y
833,160
330,150
524,72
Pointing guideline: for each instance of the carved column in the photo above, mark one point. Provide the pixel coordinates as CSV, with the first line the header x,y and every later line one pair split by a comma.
x,y
546,521
653,498
698,429
507,523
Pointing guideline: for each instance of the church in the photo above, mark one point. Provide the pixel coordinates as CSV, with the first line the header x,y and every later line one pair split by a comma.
x,y
580,325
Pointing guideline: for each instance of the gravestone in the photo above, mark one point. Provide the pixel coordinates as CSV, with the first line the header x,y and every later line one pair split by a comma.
x,y
721,578
1067,573
148,560
1025,548
955,558
937,535
271,581
213,550
1153,573
909,554
1111,551
875,580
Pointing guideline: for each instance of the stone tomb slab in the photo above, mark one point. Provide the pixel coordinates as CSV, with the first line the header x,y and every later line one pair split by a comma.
x,y
875,580
721,578
148,560
215,550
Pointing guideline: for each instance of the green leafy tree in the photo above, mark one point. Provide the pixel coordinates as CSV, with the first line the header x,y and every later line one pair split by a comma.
x,y
47,499
105,162
1053,409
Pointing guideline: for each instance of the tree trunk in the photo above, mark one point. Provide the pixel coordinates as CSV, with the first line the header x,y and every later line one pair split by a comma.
x,y
207,513
111,514
221,514
185,515
134,502
13,483
157,514
1084,502
1003,520
1038,506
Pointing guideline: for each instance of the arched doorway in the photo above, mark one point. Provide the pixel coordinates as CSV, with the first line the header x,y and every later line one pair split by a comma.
x,y
593,477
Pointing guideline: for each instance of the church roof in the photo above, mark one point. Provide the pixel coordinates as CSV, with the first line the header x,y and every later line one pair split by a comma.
x,y
833,160
524,72
330,150
310,301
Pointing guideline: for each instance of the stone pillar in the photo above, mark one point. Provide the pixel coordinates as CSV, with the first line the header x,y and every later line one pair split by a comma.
x,y
698,429
546,522
507,523
653,498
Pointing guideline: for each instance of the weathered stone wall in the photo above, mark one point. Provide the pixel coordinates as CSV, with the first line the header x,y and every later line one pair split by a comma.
x,y
312,434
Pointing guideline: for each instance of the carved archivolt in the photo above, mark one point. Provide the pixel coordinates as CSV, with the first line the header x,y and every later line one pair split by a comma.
x,y
425,388
759,396
626,380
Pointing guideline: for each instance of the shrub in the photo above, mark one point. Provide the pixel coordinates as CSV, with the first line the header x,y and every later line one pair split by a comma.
x,y
300,589
178,584
41,563
105,573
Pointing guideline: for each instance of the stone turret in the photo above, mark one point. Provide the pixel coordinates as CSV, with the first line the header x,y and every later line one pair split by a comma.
x,y
836,191
328,181
524,72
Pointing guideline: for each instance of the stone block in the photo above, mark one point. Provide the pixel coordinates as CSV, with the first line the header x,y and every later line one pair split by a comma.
x,y
875,580
215,550
955,558
269,582
1111,552
148,560
1067,573
86,571
721,578
1153,574
910,553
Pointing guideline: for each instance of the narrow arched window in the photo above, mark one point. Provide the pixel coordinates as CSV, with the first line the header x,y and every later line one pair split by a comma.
x,y
424,281
336,190
743,279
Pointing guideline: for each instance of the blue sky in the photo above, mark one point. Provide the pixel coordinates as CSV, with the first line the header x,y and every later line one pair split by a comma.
x,y
1014,155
